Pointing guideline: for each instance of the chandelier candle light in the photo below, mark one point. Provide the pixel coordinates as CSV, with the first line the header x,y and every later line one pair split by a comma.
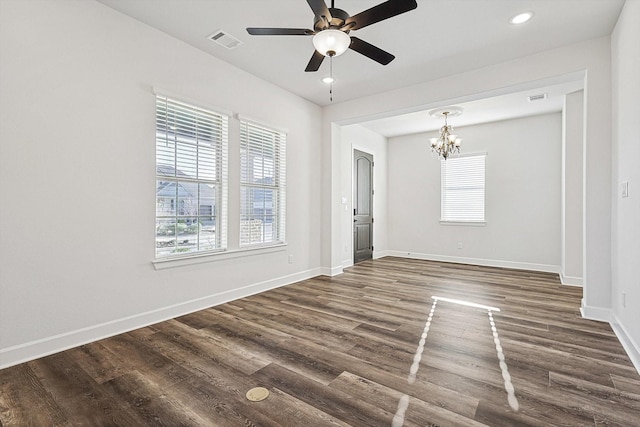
x,y
447,143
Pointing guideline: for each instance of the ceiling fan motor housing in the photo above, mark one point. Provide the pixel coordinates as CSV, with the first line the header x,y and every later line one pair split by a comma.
x,y
338,18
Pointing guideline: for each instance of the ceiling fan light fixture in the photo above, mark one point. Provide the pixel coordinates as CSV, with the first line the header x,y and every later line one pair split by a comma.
x,y
331,42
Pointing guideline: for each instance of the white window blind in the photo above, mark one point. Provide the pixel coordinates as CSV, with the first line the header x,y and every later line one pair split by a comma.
x,y
191,173
462,195
262,185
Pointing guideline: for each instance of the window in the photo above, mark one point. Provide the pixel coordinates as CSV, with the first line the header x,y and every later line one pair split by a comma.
x,y
191,146
262,185
462,195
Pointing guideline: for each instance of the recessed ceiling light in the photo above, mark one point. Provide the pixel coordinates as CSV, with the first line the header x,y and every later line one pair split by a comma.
x,y
521,18
328,80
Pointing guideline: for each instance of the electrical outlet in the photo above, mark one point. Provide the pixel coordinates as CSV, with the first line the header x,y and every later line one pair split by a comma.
x,y
459,245
290,259
625,189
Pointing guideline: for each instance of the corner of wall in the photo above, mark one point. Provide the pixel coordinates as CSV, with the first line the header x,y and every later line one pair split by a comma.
x,y
571,280
599,314
331,271
630,346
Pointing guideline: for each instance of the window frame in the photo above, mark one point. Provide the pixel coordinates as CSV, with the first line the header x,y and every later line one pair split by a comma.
x,y
463,216
210,172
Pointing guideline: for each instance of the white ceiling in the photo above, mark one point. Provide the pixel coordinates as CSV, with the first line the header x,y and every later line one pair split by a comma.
x,y
439,38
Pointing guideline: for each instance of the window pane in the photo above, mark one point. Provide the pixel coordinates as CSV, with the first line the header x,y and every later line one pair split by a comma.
x,y
165,236
165,198
207,168
262,191
165,156
207,239
186,161
186,235
187,198
462,192
190,170
207,200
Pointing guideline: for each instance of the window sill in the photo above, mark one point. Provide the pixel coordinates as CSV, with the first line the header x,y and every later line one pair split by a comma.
x,y
465,223
161,264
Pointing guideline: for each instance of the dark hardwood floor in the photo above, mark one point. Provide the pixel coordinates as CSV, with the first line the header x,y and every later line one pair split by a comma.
x,y
366,348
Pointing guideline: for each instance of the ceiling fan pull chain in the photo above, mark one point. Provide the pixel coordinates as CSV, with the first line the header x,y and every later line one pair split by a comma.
x,y
332,80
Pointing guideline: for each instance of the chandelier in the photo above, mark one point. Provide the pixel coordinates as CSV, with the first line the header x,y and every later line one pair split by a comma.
x,y
447,143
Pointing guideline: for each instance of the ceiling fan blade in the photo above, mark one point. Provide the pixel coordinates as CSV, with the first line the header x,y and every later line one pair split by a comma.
x,y
315,61
280,32
380,12
319,8
371,51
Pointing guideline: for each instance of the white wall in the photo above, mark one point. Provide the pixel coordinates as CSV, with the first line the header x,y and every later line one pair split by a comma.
x,y
522,198
572,165
77,176
356,137
626,211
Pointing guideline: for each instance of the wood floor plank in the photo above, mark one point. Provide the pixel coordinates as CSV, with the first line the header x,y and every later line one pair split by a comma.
x,y
626,384
338,351
331,334
141,393
82,400
255,338
91,358
342,406
547,410
453,401
497,415
287,410
601,398
218,351
24,400
418,411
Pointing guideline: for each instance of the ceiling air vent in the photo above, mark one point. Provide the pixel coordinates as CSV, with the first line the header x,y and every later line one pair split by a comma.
x,y
224,39
538,97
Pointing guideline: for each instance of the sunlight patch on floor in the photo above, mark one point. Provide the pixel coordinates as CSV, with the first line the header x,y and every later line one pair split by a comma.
x,y
403,403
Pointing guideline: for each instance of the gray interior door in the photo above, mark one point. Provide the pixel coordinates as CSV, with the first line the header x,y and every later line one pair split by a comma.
x,y
362,206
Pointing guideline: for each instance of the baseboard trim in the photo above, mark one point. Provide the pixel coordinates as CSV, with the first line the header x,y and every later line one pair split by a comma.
x,y
571,280
331,271
43,347
630,346
381,254
595,313
478,261
346,263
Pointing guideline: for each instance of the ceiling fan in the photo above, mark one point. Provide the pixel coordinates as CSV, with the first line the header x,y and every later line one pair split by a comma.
x,y
331,29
